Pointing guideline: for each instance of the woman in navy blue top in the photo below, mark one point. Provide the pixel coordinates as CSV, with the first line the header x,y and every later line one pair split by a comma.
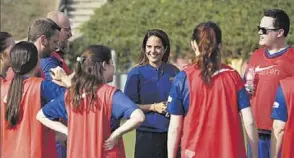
x,y
148,85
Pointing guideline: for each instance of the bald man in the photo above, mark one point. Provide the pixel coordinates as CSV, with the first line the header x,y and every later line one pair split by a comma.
x,y
56,59
62,20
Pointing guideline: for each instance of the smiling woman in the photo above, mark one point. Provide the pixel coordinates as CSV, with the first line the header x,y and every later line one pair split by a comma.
x,y
148,85
155,48
154,51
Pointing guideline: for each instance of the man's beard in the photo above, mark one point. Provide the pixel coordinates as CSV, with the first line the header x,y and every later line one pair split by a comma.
x,y
45,53
63,46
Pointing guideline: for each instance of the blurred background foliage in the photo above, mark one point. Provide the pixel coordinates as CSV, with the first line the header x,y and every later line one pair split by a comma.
x,y
17,15
122,24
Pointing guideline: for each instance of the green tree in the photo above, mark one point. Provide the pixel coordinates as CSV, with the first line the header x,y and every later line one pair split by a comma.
x,y
122,24
17,15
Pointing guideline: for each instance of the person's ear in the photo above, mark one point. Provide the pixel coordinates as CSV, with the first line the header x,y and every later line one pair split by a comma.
x,y
43,40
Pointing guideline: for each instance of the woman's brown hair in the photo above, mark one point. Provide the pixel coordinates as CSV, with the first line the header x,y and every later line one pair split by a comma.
x,y
24,58
208,37
88,75
143,60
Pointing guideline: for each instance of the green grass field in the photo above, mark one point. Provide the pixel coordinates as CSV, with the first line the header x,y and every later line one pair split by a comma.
x,y
129,142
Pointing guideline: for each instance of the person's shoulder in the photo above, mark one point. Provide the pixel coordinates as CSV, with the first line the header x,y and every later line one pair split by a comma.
x,y
49,83
181,76
290,53
136,69
291,49
226,69
191,67
49,60
171,69
287,80
225,66
108,86
171,66
33,81
258,52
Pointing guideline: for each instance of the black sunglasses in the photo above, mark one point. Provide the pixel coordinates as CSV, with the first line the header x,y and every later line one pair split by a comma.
x,y
264,30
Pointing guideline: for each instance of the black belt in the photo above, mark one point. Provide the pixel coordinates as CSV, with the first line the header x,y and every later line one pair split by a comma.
x,y
264,134
264,131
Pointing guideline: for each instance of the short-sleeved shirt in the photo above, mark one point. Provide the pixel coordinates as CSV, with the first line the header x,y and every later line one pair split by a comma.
x,y
47,64
147,85
269,70
49,91
280,107
122,107
178,101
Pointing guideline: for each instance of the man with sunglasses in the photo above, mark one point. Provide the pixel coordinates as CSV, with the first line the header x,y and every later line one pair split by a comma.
x,y
270,64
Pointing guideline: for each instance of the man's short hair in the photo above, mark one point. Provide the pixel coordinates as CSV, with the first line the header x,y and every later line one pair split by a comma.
x,y
282,20
42,26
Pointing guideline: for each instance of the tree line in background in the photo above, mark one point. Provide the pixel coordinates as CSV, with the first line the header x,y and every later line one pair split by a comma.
x,y
17,15
122,24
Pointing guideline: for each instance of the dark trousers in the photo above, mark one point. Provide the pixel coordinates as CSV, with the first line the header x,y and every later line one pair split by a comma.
x,y
264,144
150,145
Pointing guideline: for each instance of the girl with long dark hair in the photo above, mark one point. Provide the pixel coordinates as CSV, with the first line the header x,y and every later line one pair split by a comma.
x,y
93,109
22,136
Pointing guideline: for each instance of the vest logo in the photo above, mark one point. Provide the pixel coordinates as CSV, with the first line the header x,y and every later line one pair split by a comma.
x,y
171,79
221,71
170,99
276,105
5,99
259,69
189,153
268,70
